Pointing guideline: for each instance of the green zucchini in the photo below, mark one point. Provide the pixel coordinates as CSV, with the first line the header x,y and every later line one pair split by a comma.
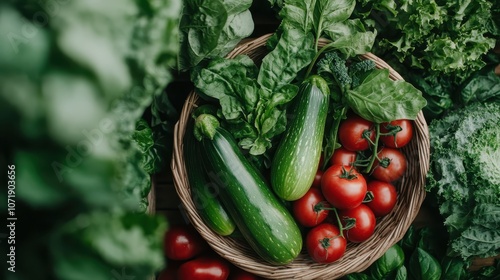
x,y
263,221
297,156
203,192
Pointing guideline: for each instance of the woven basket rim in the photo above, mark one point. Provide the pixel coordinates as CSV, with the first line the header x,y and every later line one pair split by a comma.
x,y
389,229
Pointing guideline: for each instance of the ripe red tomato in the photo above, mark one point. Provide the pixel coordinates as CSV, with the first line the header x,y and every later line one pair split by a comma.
x,y
352,133
343,186
390,165
343,156
403,137
170,272
307,210
324,243
384,197
204,268
182,242
317,179
364,225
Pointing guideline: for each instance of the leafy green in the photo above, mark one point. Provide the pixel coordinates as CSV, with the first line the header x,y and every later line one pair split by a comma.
x,y
356,276
251,112
211,29
74,89
425,258
370,92
465,176
280,66
453,268
351,37
435,43
424,266
328,13
330,19
483,86
388,264
379,99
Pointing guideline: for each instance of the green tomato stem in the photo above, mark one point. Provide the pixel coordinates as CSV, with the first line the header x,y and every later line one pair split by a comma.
x,y
328,151
375,148
341,227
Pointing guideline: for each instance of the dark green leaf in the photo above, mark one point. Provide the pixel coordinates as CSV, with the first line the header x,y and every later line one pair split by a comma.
x,y
350,37
380,99
453,268
401,273
423,266
201,25
481,87
328,13
356,276
293,53
298,14
388,263
212,28
228,77
410,240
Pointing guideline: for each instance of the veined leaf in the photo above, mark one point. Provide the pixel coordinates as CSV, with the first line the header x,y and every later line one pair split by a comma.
x,y
328,12
379,99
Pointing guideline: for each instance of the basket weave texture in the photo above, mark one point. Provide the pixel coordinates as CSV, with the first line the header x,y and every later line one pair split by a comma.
x,y
389,230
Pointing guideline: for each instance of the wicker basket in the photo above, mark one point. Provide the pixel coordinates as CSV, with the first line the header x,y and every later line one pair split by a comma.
x,y
389,229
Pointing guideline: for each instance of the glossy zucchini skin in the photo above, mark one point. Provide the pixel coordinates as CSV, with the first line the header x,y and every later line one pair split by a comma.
x,y
263,221
203,192
298,154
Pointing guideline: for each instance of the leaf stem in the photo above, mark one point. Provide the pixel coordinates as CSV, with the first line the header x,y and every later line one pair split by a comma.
x,y
318,54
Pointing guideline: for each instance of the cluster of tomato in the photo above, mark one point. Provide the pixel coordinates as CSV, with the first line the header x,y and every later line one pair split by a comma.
x,y
190,258
355,188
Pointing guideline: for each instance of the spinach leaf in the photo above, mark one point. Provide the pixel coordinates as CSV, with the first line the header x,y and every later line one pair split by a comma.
x,y
431,239
328,13
237,27
379,99
401,273
453,268
388,263
294,51
252,113
200,26
210,29
330,18
410,239
350,37
356,276
232,82
424,266
297,14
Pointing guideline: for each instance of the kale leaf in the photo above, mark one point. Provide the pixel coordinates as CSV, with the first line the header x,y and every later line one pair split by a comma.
x,y
465,177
